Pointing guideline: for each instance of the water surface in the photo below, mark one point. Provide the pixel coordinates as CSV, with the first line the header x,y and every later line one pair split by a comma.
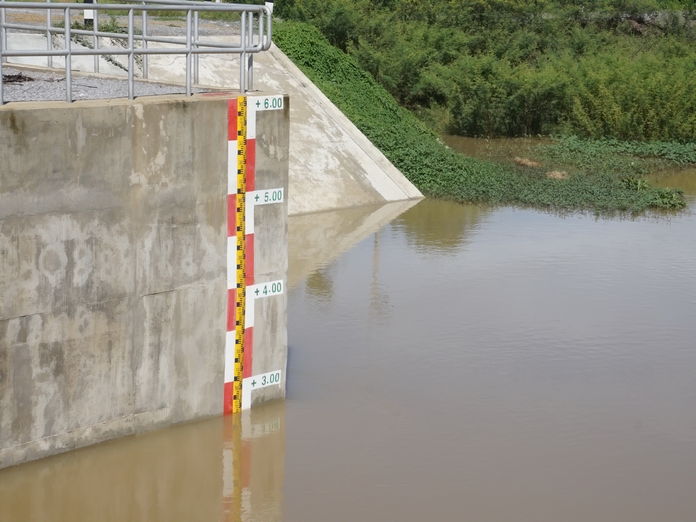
x,y
462,362
469,363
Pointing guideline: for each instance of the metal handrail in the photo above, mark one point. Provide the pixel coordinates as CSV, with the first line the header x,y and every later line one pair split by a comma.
x,y
254,36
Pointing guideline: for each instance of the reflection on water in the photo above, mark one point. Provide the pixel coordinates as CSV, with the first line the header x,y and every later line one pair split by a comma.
x,y
226,469
495,148
437,227
316,239
684,179
380,308
320,285
459,363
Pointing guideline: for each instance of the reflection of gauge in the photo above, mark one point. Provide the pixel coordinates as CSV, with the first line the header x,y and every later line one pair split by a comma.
x,y
253,458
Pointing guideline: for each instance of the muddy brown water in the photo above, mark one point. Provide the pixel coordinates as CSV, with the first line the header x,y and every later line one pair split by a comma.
x,y
495,148
460,363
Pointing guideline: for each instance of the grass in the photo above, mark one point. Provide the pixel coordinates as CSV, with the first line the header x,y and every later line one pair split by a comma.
x,y
616,155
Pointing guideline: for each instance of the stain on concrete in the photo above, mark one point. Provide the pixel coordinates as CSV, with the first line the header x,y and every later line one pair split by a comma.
x,y
51,358
23,390
13,124
5,365
17,125
81,135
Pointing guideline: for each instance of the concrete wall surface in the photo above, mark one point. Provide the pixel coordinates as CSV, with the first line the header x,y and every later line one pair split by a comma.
x,y
113,283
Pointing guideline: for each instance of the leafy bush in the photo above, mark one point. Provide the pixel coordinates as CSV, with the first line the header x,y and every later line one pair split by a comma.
x,y
436,169
603,68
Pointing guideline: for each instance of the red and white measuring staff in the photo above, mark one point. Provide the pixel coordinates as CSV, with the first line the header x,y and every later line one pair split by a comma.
x,y
242,198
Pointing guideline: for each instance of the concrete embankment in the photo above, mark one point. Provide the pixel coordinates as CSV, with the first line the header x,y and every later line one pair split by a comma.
x,y
331,160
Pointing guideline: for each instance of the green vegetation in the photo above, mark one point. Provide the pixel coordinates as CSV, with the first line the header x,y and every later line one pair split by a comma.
x,y
617,78
440,172
629,158
613,72
621,69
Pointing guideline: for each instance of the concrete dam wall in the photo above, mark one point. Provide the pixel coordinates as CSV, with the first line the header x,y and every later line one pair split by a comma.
x,y
113,267
120,278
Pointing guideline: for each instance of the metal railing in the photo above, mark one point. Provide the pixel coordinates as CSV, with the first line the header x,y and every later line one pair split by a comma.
x,y
255,33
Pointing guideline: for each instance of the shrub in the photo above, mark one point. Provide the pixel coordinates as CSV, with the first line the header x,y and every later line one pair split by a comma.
x,y
433,167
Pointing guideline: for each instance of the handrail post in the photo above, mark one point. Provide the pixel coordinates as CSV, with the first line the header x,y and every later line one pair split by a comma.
x,y
242,56
2,48
49,36
95,29
131,57
68,56
262,30
195,44
262,17
250,61
145,55
3,33
188,52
